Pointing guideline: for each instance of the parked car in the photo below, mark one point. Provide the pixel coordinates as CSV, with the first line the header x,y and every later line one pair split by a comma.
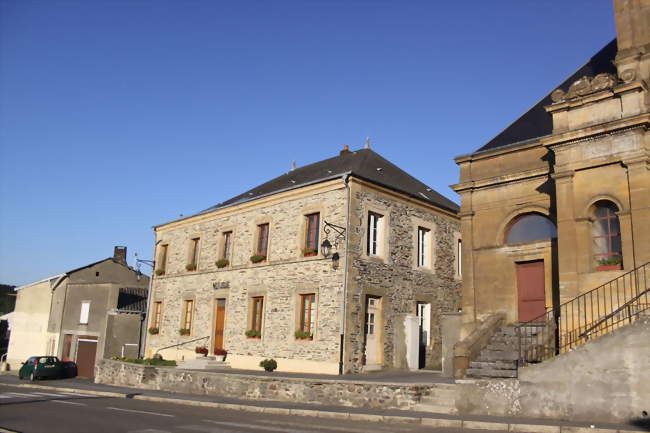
x,y
37,367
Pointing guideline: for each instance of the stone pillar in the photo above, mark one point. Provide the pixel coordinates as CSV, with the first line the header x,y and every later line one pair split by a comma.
x,y
566,235
638,172
633,38
450,331
467,265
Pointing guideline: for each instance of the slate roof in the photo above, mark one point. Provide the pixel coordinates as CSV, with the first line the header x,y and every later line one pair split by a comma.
x,y
364,163
536,122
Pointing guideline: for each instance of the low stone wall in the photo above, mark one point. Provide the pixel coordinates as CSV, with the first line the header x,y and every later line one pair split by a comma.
x,y
325,392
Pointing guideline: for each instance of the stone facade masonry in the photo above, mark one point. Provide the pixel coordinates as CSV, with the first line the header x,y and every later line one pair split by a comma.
x,y
286,274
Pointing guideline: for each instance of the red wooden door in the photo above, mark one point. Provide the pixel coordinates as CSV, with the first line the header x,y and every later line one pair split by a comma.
x,y
220,315
86,350
530,290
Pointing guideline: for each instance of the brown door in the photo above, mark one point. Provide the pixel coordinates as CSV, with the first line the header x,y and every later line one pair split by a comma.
x,y
530,290
219,320
86,350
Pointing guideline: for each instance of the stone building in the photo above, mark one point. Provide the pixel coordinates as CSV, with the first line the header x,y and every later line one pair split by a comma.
x,y
344,265
91,312
558,204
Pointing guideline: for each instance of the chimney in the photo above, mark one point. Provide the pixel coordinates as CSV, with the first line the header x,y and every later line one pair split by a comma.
x,y
120,255
346,149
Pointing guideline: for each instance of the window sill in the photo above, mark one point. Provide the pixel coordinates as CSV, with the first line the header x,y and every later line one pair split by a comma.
x,y
304,340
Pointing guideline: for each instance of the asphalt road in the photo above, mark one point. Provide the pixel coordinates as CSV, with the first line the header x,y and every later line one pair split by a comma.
x,y
33,411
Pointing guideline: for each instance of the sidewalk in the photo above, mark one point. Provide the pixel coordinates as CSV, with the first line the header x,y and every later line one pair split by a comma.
x,y
466,422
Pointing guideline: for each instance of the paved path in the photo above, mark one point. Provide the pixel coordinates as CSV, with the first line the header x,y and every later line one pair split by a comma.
x,y
255,407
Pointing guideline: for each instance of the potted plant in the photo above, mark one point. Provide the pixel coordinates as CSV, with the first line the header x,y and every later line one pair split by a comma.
x,y
220,354
222,263
154,331
160,272
609,263
309,252
256,258
303,335
269,364
203,350
190,266
184,331
253,333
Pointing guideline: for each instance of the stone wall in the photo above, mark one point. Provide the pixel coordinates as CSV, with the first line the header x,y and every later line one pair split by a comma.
x,y
395,276
323,392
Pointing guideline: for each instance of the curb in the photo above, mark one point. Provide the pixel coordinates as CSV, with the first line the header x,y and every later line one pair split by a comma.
x,y
353,416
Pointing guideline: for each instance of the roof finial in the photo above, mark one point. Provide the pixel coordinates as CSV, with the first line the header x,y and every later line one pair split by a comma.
x,y
367,143
293,165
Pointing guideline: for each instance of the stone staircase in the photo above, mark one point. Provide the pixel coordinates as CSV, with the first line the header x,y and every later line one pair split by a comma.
x,y
203,363
441,400
499,358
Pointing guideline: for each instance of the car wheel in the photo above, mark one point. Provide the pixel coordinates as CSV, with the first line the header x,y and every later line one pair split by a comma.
x,y
32,376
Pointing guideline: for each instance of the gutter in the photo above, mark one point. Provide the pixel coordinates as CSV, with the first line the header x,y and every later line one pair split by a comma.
x,y
346,181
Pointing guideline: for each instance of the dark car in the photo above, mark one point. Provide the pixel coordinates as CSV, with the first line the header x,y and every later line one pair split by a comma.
x,y
38,367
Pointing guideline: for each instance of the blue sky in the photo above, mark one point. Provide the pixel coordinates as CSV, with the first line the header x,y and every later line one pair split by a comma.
x,y
119,115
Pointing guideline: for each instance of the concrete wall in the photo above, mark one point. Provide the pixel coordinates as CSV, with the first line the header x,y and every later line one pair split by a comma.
x,y
29,334
121,329
605,380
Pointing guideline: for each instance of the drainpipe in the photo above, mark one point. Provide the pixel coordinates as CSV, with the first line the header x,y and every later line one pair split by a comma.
x,y
143,339
629,201
346,181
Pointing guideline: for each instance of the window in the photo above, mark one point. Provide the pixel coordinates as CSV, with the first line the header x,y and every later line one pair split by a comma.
x,y
157,314
85,312
227,242
193,262
529,228
262,239
459,257
311,237
606,234
258,314
308,313
188,309
424,244
375,223
162,259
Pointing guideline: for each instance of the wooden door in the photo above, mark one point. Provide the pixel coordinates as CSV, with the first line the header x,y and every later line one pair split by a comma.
x,y
530,290
219,320
86,350
372,330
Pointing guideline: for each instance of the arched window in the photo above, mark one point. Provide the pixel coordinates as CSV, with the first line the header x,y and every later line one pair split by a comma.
x,y
606,234
530,227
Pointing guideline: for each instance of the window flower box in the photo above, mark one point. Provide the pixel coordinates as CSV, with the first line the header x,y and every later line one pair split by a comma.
x,y
309,252
303,335
190,267
257,258
614,263
154,331
160,272
252,333
222,263
184,332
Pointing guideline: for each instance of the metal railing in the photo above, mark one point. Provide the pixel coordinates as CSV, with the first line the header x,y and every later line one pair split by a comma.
x,y
181,344
587,316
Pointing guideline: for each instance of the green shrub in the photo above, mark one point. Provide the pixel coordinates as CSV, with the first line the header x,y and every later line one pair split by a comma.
x,y
303,335
184,331
154,331
610,261
190,267
252,333
146,361
256,258
269,364
160,272
222,263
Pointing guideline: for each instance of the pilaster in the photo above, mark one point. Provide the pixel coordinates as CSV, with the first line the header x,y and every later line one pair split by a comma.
x,y
566,234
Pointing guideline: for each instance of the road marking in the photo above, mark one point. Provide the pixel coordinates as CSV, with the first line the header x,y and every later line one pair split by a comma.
x,y
67,402
333,428
140,411
20,394
78,394
50,394
256,427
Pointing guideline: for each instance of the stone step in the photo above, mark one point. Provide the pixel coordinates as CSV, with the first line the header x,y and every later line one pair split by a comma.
x,y
202,364
434,408
495,365
486,372
499,355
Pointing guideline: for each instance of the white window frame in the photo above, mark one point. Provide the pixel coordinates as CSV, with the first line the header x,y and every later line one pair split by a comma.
x,y
424,247
84,313
459,257
375,233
